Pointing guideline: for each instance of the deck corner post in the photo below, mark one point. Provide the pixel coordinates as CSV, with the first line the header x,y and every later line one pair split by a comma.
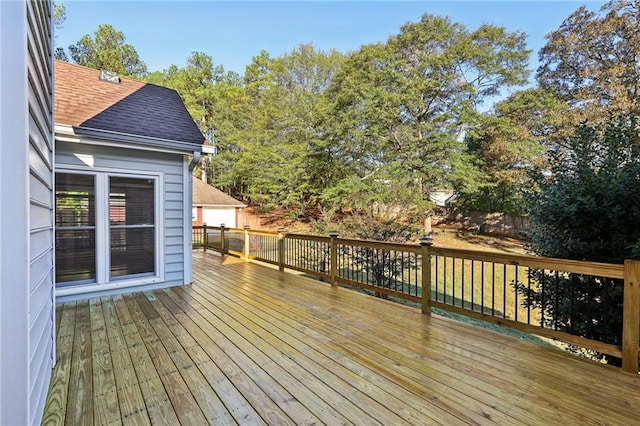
x,y
222,247
205,237
281,235
425,245
246,250
333,267
631,316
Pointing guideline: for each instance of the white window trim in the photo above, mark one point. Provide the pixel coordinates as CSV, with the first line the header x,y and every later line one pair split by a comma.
x,y
103,254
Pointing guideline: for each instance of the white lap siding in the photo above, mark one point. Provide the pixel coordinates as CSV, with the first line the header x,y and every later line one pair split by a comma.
x,y
75,156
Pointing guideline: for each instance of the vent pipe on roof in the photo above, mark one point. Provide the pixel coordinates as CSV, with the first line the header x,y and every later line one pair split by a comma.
x,y
110,76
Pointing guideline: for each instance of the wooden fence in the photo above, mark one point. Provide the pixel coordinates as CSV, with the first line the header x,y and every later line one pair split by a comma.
x,y
518,291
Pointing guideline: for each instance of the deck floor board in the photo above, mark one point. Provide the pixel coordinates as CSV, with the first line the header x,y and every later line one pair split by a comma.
x,y
399,345
247,344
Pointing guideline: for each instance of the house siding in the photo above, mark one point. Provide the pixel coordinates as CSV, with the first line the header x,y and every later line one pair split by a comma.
x,y
26,220
131,160
41,296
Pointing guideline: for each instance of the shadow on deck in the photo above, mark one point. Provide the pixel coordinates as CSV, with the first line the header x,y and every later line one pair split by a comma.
x,y
247,344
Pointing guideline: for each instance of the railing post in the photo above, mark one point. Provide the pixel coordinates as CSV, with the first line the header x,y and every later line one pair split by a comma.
x,y
205,238
333,266
222,248
246,242
281,249
425,244
631,316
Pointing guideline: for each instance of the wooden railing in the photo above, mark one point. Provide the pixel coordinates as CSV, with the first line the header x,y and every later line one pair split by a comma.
x,y
518,291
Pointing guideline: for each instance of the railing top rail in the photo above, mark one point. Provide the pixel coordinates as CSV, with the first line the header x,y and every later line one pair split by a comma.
x,y
319,238
260,232
608,270
411,248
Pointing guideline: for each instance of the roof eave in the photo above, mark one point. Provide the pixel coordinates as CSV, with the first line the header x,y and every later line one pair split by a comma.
x,y
137,140
242,206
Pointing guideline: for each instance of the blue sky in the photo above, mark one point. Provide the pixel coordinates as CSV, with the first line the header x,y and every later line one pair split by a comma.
x,y
166,32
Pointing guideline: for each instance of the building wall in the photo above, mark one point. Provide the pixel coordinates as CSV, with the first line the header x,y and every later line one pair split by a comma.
x,y
26,218
214,216
171,166
196,216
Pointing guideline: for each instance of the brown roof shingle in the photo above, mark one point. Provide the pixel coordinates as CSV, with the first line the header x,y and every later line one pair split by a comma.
x,y
204,194
130,107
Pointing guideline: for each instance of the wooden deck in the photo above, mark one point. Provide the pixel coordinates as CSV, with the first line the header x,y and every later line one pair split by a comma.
x,y
246,344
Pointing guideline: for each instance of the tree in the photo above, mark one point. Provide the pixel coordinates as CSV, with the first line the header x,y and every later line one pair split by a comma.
x,y
217,102
591,62
108,50
285,95
59,16
407,103
511,145
195,83
585,211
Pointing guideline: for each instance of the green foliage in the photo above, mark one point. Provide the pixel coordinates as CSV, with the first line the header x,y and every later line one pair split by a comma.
x,y
588,74
387,188
217,101
410,101
586,197
591,62
367,226
107,50
585,210
59,16
284,104
511,146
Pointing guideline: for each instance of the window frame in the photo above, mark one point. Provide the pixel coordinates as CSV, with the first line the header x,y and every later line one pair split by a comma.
x,y
103,280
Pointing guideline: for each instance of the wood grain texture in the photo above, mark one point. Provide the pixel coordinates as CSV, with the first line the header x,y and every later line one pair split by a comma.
x,y
247,344
56,405
80,398
631,316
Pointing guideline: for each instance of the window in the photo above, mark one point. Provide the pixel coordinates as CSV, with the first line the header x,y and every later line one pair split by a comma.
x,y
131,223
75,228
106,228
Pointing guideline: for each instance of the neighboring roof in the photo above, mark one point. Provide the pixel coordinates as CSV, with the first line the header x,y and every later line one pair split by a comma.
x,y
130,107
207,195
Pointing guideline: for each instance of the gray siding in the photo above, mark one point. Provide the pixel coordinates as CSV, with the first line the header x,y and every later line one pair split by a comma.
x,y
130,160
26,223
40,154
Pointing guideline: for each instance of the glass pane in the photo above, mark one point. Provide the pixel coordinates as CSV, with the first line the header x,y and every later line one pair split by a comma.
x,y
131,201
132,251
132,234
75,255
75,228
75,200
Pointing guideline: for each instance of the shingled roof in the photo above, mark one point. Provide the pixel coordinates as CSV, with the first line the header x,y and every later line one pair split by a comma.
x,y
207,195
129,107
